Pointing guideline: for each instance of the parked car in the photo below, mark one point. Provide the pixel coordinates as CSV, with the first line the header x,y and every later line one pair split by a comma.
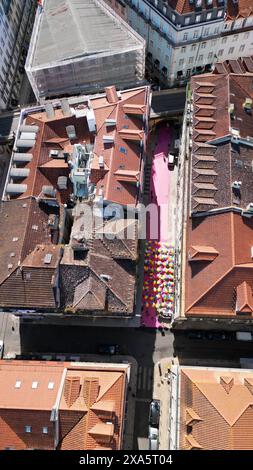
x,y
153,438
216,335
154,413
1,349
195,334
171,160
152,433
110,349
244,336
153,444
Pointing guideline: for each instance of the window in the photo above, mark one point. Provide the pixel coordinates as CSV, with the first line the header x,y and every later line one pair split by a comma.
x,y
231,50
198,18
164,10
183,49
203,45
242,48
246,35
235,38
210,55
34,385
220,13
213,42
181,61
200,57
185,37
195,34
216,30
191,60
28,428
206,31
151,43
173,18
224,40
18,384
198,3
50,385
220,52
187,20
208,16
123,150
45,430
193,48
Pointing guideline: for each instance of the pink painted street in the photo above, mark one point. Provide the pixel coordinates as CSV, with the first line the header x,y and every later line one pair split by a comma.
x,y
158,290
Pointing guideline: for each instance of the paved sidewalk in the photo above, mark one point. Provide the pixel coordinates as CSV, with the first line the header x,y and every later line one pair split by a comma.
x,y
161,391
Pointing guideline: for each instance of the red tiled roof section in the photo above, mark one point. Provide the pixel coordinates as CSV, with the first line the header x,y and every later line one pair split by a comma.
x,y
185,6
23,250
224,421
221,107
125,152
52,135
211,285
101,399
12,430
90,397
239,9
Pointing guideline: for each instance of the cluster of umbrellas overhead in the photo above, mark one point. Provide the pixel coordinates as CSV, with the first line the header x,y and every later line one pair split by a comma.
x,y
158,289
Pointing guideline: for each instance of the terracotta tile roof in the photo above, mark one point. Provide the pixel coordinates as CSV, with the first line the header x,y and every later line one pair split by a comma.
x,y
215,159
100,398
240,9
25,246
95,285
220,420
125,152
222,244
90,397
185,6
92,282
29,255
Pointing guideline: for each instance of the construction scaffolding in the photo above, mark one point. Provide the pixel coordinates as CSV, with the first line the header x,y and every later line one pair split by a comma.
x,y
81,47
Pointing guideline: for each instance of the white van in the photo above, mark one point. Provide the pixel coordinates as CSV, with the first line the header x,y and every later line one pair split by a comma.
x,y
171,159
243,336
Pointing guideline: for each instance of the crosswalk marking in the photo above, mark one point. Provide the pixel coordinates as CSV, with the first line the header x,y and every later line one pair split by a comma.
x,y
145,378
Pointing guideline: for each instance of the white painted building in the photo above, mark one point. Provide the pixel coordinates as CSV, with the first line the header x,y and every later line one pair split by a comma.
x,y
15,18
185,37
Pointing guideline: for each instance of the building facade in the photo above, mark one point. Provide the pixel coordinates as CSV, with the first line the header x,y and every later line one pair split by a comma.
x,y
16,19
184,38
94,49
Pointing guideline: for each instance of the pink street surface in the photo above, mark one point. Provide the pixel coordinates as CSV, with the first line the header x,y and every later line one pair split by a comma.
x,y
159,184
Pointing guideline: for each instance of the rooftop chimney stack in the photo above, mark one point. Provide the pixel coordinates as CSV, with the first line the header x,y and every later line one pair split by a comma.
x,y
111,94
